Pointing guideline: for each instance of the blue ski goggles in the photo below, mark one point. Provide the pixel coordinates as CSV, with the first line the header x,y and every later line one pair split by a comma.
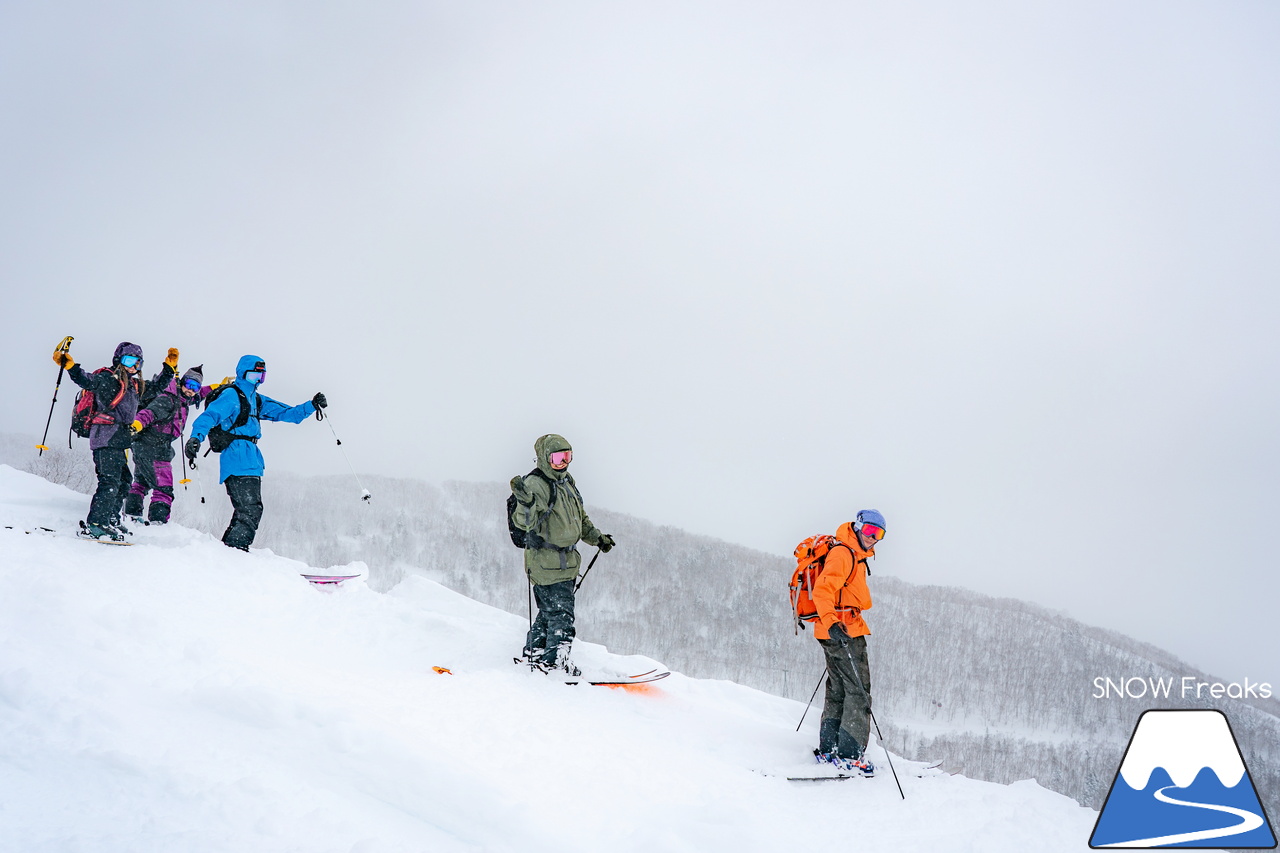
x,y
256,376
191,384
131,360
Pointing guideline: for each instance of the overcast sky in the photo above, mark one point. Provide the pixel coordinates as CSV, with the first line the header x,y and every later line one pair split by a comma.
x,y
1005,271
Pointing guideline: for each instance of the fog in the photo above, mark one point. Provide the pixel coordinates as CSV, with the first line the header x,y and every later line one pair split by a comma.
x,y
1005,272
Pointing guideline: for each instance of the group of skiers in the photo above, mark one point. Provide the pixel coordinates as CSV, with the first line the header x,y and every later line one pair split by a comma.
x,y
546,515
123,412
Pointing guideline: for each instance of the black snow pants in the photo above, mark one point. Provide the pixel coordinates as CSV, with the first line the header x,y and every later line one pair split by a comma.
x,y
553,626
114,479
152,472
846,713
246,505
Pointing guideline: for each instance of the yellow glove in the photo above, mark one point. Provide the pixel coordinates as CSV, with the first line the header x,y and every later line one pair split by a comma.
x,y
136,426
64,360
226,380
172,358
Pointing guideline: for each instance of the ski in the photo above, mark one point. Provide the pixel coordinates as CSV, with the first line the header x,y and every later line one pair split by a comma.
x,y
83,534
621,681
647,678
85,537
924,772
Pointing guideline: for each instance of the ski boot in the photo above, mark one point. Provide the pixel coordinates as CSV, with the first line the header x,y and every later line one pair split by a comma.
x,y
863,766
529,658
845,765
562,666
99,532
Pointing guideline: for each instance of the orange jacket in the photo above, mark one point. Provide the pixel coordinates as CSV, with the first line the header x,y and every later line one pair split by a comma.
x,y
841,593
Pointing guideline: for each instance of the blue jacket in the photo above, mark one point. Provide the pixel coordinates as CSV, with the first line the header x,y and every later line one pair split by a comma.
x,y
242,458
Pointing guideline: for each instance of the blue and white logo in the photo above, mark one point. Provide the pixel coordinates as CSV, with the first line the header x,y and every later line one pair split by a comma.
x,y
1183,783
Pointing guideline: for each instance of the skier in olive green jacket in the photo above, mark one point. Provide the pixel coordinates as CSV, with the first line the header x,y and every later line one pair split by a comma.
x,y
550,512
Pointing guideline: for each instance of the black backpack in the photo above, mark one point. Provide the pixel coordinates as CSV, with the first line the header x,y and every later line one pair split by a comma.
x,y
219,438
520,538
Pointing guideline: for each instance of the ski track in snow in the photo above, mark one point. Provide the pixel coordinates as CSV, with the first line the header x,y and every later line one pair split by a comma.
x,y
182,696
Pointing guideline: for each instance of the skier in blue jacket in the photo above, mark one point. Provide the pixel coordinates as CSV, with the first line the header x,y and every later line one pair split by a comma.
x,y
238,412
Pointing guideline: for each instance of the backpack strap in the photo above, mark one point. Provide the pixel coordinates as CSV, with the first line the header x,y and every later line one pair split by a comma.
x,y
102,416
839,607
536,541
243,417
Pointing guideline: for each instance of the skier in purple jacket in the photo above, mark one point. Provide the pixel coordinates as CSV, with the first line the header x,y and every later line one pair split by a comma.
x,y
117,390
155,428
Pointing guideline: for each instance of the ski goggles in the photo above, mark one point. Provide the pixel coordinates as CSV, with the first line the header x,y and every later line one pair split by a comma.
x,y
191,384
131,360
256,376
874,532
561,458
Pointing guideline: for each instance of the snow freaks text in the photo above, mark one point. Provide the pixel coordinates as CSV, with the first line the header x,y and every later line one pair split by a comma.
x,y
1187,687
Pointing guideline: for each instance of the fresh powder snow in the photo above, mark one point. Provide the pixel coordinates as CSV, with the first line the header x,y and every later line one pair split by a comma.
x,y
178,695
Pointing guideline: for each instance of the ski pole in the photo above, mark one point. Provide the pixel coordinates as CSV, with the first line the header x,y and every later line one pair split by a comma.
x,y
321,416
199,480
181,452
811,698
858,679
65,346
578,585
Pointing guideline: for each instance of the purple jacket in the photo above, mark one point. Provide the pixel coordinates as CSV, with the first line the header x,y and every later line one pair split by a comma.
x,y
113,428
166,415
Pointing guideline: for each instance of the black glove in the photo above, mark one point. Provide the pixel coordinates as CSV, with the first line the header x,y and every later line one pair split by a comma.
x,y
319,401
192,449
606,543
838,633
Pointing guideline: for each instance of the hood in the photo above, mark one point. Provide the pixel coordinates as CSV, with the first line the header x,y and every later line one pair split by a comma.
x,y
544,447
247,363
845,533
124,349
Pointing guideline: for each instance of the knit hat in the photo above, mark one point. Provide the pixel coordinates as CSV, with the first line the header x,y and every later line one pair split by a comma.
x,y
196,373
868,516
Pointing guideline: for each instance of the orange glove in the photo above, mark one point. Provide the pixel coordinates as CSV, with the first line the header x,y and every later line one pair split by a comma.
x,y
136,426
64,360
172,358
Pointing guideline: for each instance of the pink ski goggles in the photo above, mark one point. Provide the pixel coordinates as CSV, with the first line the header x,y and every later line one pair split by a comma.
x,y
561,458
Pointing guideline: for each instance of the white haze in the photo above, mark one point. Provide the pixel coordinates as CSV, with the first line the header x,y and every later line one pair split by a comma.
x,y
1004,271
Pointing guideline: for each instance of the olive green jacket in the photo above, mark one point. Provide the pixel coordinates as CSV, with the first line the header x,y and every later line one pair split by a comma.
x,y
560,525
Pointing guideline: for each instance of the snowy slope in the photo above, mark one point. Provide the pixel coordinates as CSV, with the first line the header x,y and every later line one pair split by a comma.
x,y
181,696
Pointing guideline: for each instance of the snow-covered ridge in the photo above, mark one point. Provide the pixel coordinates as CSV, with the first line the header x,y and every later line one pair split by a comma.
x,y
1038,719
178,695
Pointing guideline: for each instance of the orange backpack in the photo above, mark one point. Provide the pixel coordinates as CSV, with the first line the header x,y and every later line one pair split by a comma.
x,y
811,558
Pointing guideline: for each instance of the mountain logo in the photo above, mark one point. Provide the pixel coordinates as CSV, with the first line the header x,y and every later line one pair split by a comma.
x,y
1183,783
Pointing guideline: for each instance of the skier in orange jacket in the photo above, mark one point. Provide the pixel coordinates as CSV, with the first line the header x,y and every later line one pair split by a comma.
x,y
840,596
